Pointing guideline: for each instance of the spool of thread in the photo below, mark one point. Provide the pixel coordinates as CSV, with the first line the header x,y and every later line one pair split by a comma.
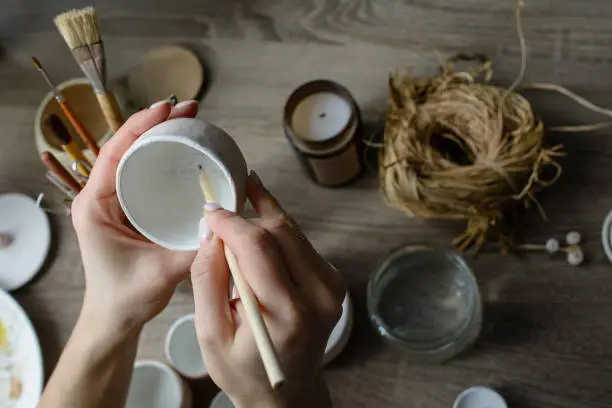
x,y
323,125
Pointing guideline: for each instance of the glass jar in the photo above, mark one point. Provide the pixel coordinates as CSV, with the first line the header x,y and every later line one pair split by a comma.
x,y
426,301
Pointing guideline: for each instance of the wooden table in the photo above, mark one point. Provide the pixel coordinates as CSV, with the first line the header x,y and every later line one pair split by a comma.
x,y
547,333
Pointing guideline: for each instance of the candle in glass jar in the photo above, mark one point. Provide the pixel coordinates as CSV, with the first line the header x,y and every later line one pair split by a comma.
x,y
322,123
321,116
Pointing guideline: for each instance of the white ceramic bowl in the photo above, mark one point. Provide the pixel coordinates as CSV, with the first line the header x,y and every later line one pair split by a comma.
x,y
182,348
157,180
156,385
221,400
341,333
480,397
28,226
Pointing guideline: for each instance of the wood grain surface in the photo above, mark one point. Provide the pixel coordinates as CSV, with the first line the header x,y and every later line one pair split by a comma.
x,y
547,335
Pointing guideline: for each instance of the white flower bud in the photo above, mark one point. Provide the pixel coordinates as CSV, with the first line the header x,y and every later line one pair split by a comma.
x,y
573,238
575,257
552,246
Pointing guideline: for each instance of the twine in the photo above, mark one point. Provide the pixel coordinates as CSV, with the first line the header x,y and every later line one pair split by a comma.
x,y
456,148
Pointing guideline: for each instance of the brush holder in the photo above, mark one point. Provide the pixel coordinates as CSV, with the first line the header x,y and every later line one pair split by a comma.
x,y
83,101
157,180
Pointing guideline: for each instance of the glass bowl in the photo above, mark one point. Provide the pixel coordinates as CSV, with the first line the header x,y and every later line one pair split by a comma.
x,y
426,301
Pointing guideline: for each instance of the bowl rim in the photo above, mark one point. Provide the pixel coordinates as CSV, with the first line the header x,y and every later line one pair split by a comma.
x,y
142,143
170,335
166,369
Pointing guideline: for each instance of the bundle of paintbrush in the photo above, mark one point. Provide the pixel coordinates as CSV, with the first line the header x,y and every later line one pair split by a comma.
x,y
81,32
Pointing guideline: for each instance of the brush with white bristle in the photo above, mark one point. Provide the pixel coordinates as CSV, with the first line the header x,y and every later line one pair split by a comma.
x,y
80,30
261,334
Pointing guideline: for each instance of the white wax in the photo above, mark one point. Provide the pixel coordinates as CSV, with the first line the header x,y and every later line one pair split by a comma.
x,y
320,116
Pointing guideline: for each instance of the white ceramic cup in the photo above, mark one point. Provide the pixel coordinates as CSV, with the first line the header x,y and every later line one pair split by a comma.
x,y
341,332
182,348
156,385
157,180
221,400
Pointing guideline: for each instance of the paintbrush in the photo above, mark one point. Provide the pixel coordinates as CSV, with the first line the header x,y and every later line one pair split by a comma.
x,y
261,334
59,171
59,130
82,34
63,103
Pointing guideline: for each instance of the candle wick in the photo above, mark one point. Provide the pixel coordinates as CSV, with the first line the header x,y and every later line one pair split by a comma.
x,y
322,114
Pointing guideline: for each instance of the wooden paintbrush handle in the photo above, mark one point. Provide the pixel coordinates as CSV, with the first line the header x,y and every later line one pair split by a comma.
x,y
81,129
56,168
260,331
110,109
76,154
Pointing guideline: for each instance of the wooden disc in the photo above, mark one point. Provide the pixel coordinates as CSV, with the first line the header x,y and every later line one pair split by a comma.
x,y
163,72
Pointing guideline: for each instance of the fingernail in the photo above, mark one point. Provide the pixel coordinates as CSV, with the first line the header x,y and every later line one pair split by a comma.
x,y
235,294
185,103
160,103
204,230
209,207
255,177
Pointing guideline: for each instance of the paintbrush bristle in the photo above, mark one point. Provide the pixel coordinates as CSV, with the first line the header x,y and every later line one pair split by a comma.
x,y
207,191
58,129
36,63
78,27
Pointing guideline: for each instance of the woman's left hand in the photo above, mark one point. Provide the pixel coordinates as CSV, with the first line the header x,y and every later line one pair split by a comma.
x,y
129,280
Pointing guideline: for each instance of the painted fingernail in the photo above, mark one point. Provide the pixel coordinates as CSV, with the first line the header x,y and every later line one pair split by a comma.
x,y
185,103
204,230
235,294
209,207
160,103
255,178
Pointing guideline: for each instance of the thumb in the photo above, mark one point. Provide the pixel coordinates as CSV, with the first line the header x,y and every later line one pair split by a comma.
x,y
210,281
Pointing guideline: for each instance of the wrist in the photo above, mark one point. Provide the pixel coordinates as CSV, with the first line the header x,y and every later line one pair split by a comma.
x,y
106,328
296,395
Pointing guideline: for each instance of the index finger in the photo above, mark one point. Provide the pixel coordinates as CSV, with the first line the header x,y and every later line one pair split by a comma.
x,y
259,257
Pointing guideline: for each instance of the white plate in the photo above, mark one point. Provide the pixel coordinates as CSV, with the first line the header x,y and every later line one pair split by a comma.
x,y
28,224
24,359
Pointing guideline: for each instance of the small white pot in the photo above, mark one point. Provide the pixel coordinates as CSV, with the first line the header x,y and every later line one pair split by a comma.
x,y
341,332
157,180
156,385
182,348
221,400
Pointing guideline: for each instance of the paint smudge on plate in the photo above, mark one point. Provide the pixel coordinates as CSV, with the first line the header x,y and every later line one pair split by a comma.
x,y
11,386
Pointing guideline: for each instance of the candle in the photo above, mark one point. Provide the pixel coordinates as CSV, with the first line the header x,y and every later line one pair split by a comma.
x,y
322,124
321,116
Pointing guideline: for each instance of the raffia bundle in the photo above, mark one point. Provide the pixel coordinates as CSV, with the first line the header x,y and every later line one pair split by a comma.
x,y
458,149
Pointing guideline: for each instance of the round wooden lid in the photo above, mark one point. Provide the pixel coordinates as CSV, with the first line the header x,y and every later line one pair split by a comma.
x,y
171,70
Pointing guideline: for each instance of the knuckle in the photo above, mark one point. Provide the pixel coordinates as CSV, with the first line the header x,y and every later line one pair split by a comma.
x,y
276,224
260,238
207,338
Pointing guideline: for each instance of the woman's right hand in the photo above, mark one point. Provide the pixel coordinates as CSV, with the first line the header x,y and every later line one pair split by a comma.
x,y
300,297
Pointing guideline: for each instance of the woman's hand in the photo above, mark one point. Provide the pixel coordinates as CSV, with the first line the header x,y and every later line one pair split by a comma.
x,y
129,280
300,297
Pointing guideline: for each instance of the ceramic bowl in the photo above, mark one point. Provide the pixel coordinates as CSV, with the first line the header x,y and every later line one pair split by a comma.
x,y
156,385
182,348
341,332
157,180
221,400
